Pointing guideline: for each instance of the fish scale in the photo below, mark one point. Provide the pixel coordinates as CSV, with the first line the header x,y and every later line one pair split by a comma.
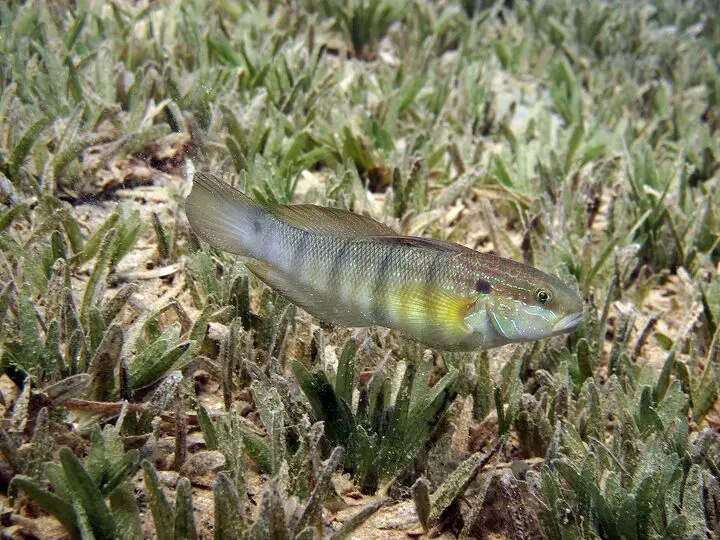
x,y
365,277
351,270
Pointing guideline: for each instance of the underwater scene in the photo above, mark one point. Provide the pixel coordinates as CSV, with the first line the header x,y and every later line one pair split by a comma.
x,y
363,269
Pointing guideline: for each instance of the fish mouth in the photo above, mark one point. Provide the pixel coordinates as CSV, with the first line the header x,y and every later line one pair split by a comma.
x,y
568,323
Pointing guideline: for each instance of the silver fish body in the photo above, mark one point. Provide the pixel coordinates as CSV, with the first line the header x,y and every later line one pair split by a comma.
x,y
353,271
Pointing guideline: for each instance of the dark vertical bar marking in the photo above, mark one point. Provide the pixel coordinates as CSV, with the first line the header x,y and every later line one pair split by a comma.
x,y
378,300
432,273
337,263
299,256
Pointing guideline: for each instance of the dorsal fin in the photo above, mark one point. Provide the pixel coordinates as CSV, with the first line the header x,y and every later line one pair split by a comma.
x,y
329,221
426,243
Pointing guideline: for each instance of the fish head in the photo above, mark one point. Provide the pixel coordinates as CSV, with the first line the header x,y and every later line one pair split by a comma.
x,y
524,304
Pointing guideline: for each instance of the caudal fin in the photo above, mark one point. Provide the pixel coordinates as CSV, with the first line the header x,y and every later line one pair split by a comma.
x,y
226,218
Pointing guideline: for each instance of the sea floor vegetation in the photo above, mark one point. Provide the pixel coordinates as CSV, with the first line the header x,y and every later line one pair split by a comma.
x,y
151,387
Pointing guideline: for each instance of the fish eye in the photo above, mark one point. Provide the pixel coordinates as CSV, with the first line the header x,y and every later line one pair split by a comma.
x,y
543,296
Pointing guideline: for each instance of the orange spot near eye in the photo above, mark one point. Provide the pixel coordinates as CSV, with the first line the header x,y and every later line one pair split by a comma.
x,y
470,308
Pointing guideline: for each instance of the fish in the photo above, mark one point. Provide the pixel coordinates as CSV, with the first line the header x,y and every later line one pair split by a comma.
x,y
350,270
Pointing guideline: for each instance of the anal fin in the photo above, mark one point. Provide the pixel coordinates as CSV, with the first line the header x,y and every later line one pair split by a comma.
x,y
317,303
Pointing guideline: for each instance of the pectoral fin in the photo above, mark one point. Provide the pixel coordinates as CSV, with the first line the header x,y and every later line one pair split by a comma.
x,y
430,312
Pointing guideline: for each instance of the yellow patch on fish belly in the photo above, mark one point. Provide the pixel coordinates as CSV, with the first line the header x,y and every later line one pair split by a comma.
x,y
430,309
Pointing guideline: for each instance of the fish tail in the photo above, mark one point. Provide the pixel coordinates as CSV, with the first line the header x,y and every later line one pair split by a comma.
x,y
226,218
